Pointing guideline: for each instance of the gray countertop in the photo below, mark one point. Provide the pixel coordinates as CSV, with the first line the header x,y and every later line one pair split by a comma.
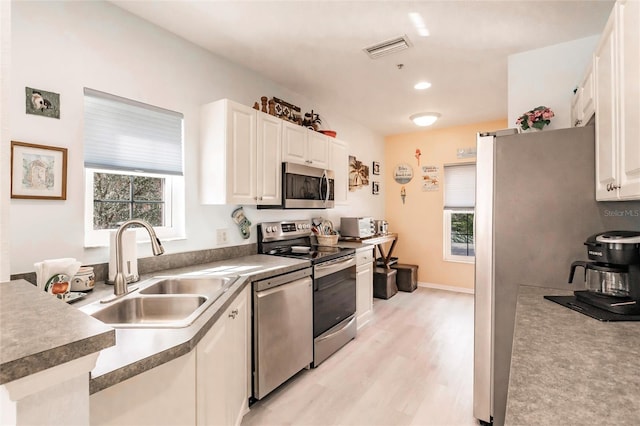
x,y
38,331
568,368
138,350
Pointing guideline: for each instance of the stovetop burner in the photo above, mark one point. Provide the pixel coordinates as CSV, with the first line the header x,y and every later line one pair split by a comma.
x,y
316,254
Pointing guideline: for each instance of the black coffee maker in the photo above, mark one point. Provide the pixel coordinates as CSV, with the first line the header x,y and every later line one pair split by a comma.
x,y
612,279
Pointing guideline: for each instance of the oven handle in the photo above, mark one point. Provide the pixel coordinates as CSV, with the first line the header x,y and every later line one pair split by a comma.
x,y
328,336
324,270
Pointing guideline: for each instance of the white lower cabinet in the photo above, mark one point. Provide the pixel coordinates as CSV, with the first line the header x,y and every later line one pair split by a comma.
x,y
364,285
223,367
164,395
208,386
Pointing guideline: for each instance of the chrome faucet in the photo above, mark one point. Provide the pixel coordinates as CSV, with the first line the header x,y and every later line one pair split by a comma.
x,y
120,282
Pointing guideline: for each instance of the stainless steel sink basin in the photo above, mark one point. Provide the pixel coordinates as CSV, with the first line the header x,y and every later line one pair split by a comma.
x,y
190,285
162,302
153,311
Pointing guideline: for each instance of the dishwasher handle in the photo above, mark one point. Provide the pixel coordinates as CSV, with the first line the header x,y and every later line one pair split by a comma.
x,y
279,280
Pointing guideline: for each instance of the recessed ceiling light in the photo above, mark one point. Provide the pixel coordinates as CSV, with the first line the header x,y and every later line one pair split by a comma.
x,y
422,85
424,118
418,23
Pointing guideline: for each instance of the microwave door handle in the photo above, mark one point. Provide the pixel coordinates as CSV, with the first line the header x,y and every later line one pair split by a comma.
x,y
326,179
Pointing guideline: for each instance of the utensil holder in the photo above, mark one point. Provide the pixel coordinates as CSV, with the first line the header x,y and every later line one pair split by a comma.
x,y
327,240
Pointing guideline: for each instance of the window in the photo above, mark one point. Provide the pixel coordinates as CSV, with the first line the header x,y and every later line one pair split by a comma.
x,y
133,167
459,203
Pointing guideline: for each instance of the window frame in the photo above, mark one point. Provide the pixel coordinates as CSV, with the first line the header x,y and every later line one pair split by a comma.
x,y
447,235
173,212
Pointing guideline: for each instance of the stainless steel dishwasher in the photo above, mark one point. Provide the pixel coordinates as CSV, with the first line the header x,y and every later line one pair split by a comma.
x,y
282,329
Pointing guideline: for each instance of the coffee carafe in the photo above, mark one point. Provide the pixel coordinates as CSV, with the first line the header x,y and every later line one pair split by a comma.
x,y
612,279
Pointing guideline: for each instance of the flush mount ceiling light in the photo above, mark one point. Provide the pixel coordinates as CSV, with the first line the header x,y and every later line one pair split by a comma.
x,y
422,85
424,118
418,23
387,47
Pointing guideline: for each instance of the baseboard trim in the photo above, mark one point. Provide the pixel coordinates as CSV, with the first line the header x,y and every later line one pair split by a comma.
x,y
447,288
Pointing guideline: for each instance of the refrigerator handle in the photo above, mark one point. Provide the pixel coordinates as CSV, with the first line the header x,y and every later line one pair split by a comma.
x,y
574,265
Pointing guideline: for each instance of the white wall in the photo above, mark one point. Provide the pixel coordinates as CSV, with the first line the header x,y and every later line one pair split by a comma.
x,y
547,76
64,46
5,144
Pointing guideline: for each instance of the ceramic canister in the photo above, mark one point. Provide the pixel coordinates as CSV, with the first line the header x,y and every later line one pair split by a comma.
x,y
84,280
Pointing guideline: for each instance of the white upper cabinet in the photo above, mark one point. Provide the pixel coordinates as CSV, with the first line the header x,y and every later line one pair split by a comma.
x,y
269,154
339,163
617,107
583,102
239,155
304,146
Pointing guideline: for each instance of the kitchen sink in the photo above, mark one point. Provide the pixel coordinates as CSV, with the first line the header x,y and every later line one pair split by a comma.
x,y
162,302
212,286
153,311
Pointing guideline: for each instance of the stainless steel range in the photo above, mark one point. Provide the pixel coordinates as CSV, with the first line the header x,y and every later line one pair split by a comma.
x,y
334,282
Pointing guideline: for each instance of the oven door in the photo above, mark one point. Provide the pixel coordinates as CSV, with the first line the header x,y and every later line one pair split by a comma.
x,y
305,187
334,293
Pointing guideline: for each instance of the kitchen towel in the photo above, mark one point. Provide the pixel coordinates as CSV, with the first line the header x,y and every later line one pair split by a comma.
x,y
50,267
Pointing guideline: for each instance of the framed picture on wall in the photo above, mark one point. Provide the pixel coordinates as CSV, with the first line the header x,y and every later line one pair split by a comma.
x,y
376,168
375,188
38,171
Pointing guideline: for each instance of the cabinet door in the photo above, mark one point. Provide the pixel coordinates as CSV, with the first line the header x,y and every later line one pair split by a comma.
x,y
237,362
317,149
364,294
587,97
241,154
340,165
211,368
294,143
164,395
223,367
629,90
606,114
269,157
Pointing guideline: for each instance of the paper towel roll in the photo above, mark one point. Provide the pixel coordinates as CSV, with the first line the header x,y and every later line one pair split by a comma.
x,y
129,255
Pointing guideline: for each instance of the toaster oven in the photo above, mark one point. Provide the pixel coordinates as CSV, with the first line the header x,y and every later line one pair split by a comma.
x,y
357,227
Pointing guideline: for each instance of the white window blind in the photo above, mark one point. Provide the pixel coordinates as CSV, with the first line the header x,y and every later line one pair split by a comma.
x,y
121,134
459,186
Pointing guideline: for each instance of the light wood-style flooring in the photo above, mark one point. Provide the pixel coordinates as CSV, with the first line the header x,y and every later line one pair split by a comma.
x,y
411,365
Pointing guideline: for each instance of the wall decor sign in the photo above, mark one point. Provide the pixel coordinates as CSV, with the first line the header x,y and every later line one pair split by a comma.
x,y
403,173
430,178
358,174
376,168
375,188
38,171
41,102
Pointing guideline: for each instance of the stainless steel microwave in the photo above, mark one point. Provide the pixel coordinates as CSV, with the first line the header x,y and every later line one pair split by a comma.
x,y
306,187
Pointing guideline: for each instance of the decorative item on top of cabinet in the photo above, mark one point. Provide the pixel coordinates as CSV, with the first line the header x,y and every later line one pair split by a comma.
x,y
616,67
286,111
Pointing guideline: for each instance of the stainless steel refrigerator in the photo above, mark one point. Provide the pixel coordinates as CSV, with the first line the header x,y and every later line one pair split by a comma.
x,y
535,205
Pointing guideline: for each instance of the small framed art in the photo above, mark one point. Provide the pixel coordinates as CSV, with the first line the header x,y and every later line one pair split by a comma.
x,y
38,171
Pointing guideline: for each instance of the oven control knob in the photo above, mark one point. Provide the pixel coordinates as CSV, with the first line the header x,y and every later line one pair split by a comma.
x,y
307,226
299,226
269,229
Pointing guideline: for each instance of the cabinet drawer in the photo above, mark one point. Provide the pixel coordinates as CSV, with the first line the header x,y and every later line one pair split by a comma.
x,y
365,256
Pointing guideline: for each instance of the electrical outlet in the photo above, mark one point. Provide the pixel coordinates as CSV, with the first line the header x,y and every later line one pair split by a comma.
x,y
222,236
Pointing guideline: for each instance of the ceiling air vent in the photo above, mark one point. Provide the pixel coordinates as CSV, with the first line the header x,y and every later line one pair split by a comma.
x,y
388,47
